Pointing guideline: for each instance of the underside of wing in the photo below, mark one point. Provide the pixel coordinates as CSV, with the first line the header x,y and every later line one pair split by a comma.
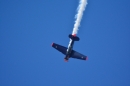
x,y
78,55
60,48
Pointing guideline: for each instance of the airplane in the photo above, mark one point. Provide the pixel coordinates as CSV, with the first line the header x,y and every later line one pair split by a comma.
x,y
69,52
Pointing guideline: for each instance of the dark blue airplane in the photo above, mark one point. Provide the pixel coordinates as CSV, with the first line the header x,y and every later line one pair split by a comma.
x,y
69,52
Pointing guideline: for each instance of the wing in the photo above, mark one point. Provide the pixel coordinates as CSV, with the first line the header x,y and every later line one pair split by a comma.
x,y
78,55
60,48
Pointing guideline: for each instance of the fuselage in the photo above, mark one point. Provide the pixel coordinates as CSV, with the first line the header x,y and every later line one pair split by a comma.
x,y
70,47
73,38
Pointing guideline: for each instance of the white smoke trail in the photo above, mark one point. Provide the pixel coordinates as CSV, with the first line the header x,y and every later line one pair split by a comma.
x,y
81,8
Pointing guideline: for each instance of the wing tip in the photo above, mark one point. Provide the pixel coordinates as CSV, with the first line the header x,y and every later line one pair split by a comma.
x,y
86,58
52,44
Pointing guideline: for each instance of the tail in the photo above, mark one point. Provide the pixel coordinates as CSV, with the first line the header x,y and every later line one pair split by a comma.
x,y
74,37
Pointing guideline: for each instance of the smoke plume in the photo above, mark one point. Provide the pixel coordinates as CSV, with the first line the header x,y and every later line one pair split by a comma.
x,y
80,9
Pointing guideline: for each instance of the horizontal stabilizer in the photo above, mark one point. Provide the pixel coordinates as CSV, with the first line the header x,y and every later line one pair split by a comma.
x,y
74,37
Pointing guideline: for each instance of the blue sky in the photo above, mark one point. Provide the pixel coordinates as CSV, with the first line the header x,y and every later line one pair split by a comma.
x,y
28,27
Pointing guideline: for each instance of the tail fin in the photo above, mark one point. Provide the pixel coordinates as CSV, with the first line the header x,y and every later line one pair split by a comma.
x,y
74,37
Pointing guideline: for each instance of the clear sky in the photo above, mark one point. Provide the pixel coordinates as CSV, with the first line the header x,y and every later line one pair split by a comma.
x,y
28,27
